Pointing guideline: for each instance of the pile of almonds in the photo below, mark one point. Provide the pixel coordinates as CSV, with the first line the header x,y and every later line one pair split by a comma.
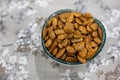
x,y
72,36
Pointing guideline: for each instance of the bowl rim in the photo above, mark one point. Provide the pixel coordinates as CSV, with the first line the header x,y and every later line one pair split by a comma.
x,y
71,63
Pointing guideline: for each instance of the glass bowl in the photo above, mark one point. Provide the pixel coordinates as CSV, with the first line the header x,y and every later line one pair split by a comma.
x,y
71,63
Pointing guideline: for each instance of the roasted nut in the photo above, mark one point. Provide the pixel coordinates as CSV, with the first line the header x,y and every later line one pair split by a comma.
x,y
88,38
82,18
88,28
100,32
70,49
71,54
59,31
65,42
58,40
49,23
94,26
91,20
76,40
83,60
87,15
88,46
95,49
76,14
63,17
70,59
70,18
50,28
78,21
60,24
92,52
77,34
79,46
54,22
60,53
64,56
76,25
85,23
69,28
53,46
93,44
46,38
60,45
70,36
55,51
95,34
83,53
83,30
51,34
62,36
97,40
48,43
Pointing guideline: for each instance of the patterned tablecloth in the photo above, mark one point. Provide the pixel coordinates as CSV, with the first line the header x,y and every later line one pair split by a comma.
x,y
21,55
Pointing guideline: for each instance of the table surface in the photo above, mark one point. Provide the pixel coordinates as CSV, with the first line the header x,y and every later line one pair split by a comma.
x,y
18,15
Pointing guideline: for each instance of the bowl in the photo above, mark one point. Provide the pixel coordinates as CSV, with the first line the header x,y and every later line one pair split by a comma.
x,y
72,63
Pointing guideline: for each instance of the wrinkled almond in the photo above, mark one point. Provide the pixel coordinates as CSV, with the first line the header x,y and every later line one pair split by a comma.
x,y
83,53
83,30
76,25
69,28
63,57
76,14
53,46
60,53
95,34
59,31
100,32
97,40
65,42
83,60
51,34
78,21
48,43
70,59
79,46
62,36
55,51
94,26
70,18
77,34
60,24
70,49
87,15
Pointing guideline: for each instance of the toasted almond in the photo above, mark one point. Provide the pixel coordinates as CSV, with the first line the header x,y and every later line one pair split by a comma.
x,y
55,51
70,49
48,43
76,14
70,18
53,46
60,53
100,32
97,40
80,59
95,34
59,31
94,26
78,21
